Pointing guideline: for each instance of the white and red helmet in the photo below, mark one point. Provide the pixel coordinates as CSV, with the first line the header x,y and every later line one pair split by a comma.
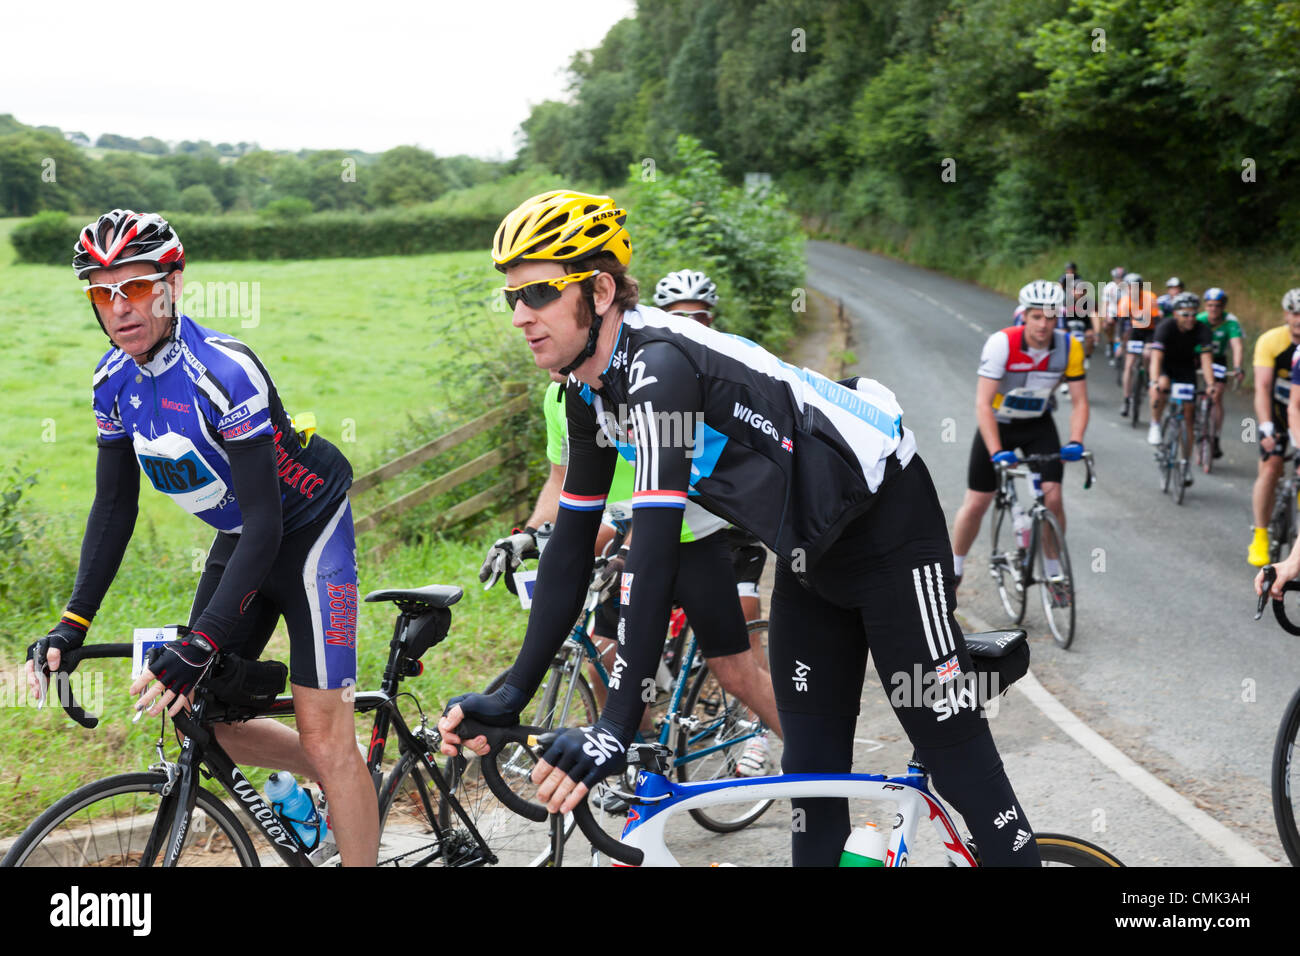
x,y
121,237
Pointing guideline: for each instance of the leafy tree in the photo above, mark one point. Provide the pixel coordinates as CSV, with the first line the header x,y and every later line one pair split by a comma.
x,y
198,199
403,176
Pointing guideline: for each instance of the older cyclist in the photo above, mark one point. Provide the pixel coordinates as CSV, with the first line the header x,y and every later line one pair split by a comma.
x,y
197,412
824,473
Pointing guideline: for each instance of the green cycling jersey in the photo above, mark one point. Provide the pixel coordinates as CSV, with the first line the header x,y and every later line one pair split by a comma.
x,y
1220,334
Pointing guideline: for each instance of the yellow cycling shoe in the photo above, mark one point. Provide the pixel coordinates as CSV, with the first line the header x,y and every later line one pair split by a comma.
x,y
1258,553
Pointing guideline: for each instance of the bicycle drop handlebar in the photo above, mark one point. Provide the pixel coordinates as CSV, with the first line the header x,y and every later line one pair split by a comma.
x,y
67,664
1279,607
1043,459
534,738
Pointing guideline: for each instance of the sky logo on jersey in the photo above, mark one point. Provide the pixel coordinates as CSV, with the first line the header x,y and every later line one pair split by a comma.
x,y
177,475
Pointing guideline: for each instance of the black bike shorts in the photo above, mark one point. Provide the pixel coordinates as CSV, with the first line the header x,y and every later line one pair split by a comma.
x,y
884,586
706,590
313,585
1034,436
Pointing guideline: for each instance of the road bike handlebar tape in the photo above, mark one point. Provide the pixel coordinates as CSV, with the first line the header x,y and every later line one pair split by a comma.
x,y
498,737
602,841
68,663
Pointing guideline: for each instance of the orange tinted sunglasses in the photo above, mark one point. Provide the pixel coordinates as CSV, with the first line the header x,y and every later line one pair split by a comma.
x,y
133,289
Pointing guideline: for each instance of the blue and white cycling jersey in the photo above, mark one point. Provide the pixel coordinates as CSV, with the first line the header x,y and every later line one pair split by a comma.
x,y
201,393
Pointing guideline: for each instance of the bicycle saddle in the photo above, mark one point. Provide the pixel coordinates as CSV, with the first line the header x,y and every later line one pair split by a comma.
x,y
991,643
410,599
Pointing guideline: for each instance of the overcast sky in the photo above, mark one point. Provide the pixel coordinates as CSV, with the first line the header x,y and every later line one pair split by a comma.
x,y
450,77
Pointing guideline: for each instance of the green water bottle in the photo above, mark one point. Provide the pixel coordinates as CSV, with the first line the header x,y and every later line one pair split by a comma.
x,y
865,846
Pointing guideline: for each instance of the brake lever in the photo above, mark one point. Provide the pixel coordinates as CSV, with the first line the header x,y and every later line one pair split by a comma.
x,y
1270,576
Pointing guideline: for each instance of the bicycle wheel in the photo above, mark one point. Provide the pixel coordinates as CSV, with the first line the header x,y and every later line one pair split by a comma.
x,y
710,738
1286,780
1139,390
1281,523
1057,849
1006,565
108,822
1204,438
1058,595
1167,455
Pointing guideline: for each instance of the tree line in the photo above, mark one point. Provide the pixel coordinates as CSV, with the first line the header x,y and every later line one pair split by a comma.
x,y
987,128
41,169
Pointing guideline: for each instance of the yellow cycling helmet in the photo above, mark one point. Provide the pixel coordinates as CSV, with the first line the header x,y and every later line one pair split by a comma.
x,y
561,225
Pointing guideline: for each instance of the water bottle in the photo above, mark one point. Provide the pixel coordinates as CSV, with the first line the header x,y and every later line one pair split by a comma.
x,y
296,808
865,846
1020,521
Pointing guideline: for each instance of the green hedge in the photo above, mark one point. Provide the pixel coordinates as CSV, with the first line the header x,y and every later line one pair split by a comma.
x,y
48,237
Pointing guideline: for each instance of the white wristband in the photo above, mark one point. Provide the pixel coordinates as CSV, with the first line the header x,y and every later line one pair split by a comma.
x,y
1266,429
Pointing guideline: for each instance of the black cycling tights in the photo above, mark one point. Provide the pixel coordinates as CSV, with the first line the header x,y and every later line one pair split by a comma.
x,y
973,768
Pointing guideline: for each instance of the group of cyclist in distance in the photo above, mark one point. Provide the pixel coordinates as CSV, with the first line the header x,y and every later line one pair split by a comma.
x,y
722,449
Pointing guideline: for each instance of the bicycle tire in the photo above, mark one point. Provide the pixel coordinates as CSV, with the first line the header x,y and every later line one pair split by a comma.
x,y
1168,453
106,823
1060,620
1061,850
1204,439
1281,522
1286,780
1139,389
1182,470
1007,568
580,710
720,718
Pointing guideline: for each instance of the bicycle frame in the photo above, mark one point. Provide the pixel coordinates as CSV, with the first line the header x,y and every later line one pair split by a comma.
x,y
660,799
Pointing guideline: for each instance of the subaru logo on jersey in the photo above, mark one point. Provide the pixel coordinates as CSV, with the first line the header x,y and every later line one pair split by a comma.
x,y
174,476
625,588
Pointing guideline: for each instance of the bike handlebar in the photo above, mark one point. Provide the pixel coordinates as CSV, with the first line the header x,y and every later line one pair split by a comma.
x,y
1279,607
1046,459
533,738
67,664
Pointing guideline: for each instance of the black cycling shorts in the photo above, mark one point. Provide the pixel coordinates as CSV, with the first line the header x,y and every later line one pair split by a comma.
x,y
748,559
706,590
313,585
884,586
1035,436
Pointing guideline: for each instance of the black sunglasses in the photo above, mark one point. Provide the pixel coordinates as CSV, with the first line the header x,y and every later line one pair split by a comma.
x,y
542,292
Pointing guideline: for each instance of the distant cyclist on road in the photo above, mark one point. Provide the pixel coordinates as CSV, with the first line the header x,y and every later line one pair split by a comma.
x,y
1019,370
1138,314
1179,348
1173,289
1109,313
1273,353
1226,351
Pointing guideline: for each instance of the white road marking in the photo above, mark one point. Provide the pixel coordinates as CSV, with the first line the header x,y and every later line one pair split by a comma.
x,y
1234,847
871,745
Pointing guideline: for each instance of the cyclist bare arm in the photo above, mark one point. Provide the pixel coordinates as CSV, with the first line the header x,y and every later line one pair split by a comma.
x,y
548,499
1264,401
985,389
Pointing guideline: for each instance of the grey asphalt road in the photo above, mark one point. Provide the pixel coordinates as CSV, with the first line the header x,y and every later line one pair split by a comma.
x,y
1167,664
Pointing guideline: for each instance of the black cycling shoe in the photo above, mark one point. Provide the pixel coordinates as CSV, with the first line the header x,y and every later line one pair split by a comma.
x,y
1128,406
1218,452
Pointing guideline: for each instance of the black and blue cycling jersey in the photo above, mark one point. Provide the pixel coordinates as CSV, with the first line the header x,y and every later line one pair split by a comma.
x,y
180,412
